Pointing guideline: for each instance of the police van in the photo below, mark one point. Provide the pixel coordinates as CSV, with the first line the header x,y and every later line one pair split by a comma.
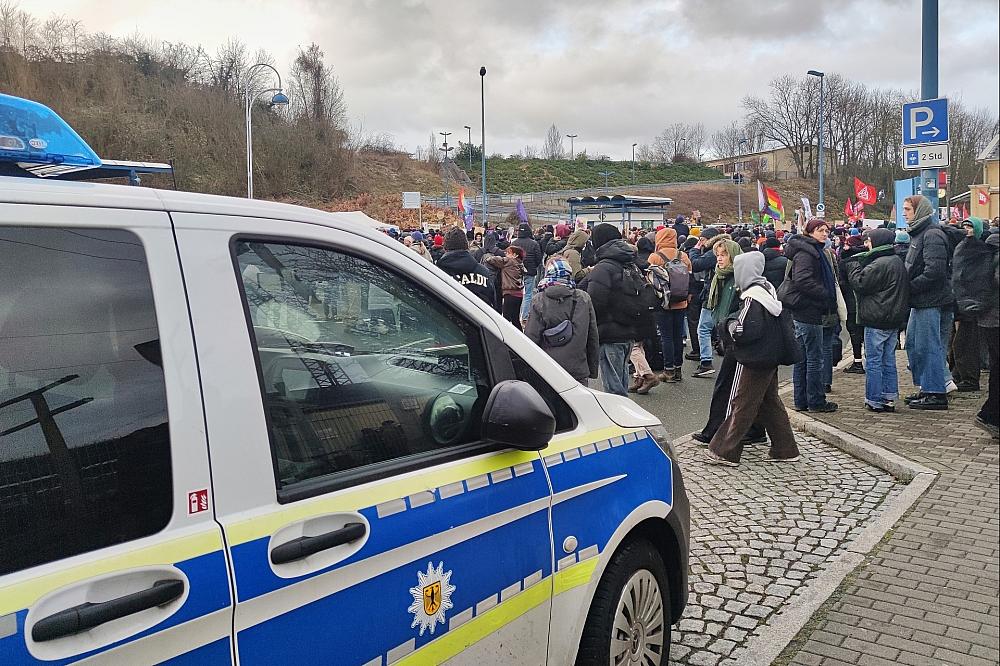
x,y
234,431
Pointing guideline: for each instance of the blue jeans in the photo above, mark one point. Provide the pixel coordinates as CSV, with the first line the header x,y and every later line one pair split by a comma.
x,y
924,350
670,328
529,289
614,367
705,325
807,375
947,326
881,381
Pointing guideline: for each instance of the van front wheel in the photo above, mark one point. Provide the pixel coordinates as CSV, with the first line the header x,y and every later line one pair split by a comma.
x,y
629,619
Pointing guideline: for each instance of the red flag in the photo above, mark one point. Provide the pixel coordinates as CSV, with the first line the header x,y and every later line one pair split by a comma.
x,y
859,209
982,198
965,211
865,193
848,209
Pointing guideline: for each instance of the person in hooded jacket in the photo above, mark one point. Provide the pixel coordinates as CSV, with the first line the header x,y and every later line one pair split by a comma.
x,y
902,244
459,263
616,327
670,323
511,269
557,300
969,282
644,247
928,265
754,334
881,287
853,247
558,242
642,356
988,417
774,262
532,261
811,295
703,269
573,252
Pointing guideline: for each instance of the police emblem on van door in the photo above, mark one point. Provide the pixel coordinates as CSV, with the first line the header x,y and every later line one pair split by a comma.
x,y
431,597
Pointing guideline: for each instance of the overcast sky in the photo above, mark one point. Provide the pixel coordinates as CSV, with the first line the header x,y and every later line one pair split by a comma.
x,y
612,71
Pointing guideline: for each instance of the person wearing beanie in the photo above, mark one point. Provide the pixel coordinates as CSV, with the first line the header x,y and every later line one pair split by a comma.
x,y
878,280
970,281
459,263
437,248
810,294
854,246
775,262
417,245
902,244
616,312
927,264
670,322
702,271
533,259
680,227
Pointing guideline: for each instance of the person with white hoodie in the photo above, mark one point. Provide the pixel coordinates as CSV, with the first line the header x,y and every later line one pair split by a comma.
x,y
756,338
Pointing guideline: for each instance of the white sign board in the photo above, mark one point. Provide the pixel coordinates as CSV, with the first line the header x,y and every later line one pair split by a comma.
x,y
806,207
411,199
926,157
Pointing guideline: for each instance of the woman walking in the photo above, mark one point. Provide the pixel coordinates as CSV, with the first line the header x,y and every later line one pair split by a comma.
x,y
670,323
511,269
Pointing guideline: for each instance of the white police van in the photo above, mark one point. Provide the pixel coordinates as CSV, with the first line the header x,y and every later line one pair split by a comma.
x,y
234,431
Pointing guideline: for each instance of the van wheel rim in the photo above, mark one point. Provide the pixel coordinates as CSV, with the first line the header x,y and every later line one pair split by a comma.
x,y
638,629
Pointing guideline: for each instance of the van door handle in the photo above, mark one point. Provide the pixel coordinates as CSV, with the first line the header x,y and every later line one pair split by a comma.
x,y
296,549
89,615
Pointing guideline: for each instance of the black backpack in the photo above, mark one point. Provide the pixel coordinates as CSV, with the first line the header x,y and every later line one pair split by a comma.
x,y
637,296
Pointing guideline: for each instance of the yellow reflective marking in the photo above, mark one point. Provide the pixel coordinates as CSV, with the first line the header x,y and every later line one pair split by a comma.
x,y
575,576
479,627
378,492
23,594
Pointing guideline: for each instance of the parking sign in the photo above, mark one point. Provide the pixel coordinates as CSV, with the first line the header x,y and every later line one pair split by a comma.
x,y
925,122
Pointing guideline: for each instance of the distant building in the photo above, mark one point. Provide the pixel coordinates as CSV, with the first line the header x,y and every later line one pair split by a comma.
x,y
774,164
989,188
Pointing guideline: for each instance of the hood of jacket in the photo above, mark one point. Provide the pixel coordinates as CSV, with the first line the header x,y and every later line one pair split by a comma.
x,y
577,240
645,245
617,250
923,217
802,243
666,239
771,253
718,238
524,230
558,292
748,270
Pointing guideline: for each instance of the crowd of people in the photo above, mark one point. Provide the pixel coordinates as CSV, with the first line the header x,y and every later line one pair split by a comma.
x,y
624,309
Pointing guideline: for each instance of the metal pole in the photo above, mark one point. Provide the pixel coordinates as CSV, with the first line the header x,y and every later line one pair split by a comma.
x,y
739,198
482,106
571,137
470,147
929,84
822,86
248,118
633,165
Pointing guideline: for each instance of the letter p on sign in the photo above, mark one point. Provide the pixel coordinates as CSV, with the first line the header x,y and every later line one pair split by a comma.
x,y
919,117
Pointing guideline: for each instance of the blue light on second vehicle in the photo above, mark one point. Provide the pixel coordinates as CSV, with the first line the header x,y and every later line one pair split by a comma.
x,y
33,134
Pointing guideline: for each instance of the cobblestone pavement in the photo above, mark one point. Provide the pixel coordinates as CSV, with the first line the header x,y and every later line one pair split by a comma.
x,y
760,532
929,593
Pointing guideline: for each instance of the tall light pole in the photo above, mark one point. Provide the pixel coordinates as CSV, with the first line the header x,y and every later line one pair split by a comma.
x,y
446,149
929,85
482,147
278,99
571,137
470,147
633,163
606,175
821,76
738,177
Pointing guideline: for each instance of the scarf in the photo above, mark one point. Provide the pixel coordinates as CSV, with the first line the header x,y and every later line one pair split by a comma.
x,y
829,282
557,272
923,216
722,274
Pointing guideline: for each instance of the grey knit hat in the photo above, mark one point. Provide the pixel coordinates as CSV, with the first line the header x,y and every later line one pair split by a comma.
x,y
456,239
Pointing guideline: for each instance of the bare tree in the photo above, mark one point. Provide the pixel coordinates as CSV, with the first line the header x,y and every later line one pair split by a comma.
x,y
432,150
789,118
316,93
552,149
9,27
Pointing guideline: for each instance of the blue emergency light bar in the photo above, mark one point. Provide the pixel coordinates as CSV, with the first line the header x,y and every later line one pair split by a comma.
x,y
35,140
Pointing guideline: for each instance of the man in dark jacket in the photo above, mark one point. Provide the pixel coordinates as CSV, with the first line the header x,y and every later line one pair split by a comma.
x,y
532,261
854,246
970,281
810,295
459,263
879,282
703,268
615,323
928,265
774,262
681,228
988,417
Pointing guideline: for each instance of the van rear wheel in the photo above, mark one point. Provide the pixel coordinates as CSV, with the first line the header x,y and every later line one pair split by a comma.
x,y
629,619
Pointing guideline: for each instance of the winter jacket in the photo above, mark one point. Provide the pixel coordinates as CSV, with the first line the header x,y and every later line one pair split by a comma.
x,y
774,266
421,249
574,253
881,287
555,246
511,274
604,284
461,265
666,246
972,278
436,254
579,356
928,265
850,300
991,318
807,297
644,247
756,336
703,264
532,251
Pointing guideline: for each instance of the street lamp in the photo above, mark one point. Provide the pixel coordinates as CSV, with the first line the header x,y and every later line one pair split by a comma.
x,y
277,99
446,149
812,72
482,106
606,175
633,163
571,137
470,147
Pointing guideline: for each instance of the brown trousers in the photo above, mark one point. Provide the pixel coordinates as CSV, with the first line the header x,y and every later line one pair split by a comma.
x,y
754,398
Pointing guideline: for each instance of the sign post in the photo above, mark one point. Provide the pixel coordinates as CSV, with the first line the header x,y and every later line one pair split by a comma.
x,y
412,200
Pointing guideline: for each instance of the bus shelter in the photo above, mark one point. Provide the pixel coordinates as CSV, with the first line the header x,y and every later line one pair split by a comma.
x,y
622,210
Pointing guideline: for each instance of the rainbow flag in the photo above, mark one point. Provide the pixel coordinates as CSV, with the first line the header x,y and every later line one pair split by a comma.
x,y
769,203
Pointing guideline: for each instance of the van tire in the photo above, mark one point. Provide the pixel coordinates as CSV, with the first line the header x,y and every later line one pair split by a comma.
x,y
635,565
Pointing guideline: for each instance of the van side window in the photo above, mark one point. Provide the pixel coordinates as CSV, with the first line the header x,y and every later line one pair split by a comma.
x,y
358,364
84,442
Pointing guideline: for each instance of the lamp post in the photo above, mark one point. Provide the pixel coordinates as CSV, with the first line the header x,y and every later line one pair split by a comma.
x,y
470,147
571,137
482,147
821,76
739,181
633,163
606,175
278,99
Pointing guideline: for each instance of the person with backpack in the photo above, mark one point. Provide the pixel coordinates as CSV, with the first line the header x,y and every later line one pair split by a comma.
x,y
562,322
511,269
573,251
645,348
670,270
881,287
760,341
927,264
532,258
615,287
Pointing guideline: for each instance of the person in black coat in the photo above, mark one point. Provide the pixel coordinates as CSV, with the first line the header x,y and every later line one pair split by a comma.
x,y
533,260
853,247
775,262
881,287
459,263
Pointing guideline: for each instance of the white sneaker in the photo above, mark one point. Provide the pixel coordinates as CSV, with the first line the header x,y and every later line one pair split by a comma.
x,y
950,387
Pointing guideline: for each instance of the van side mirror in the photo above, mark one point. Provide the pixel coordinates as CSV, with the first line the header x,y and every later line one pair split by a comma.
x,y
516,416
